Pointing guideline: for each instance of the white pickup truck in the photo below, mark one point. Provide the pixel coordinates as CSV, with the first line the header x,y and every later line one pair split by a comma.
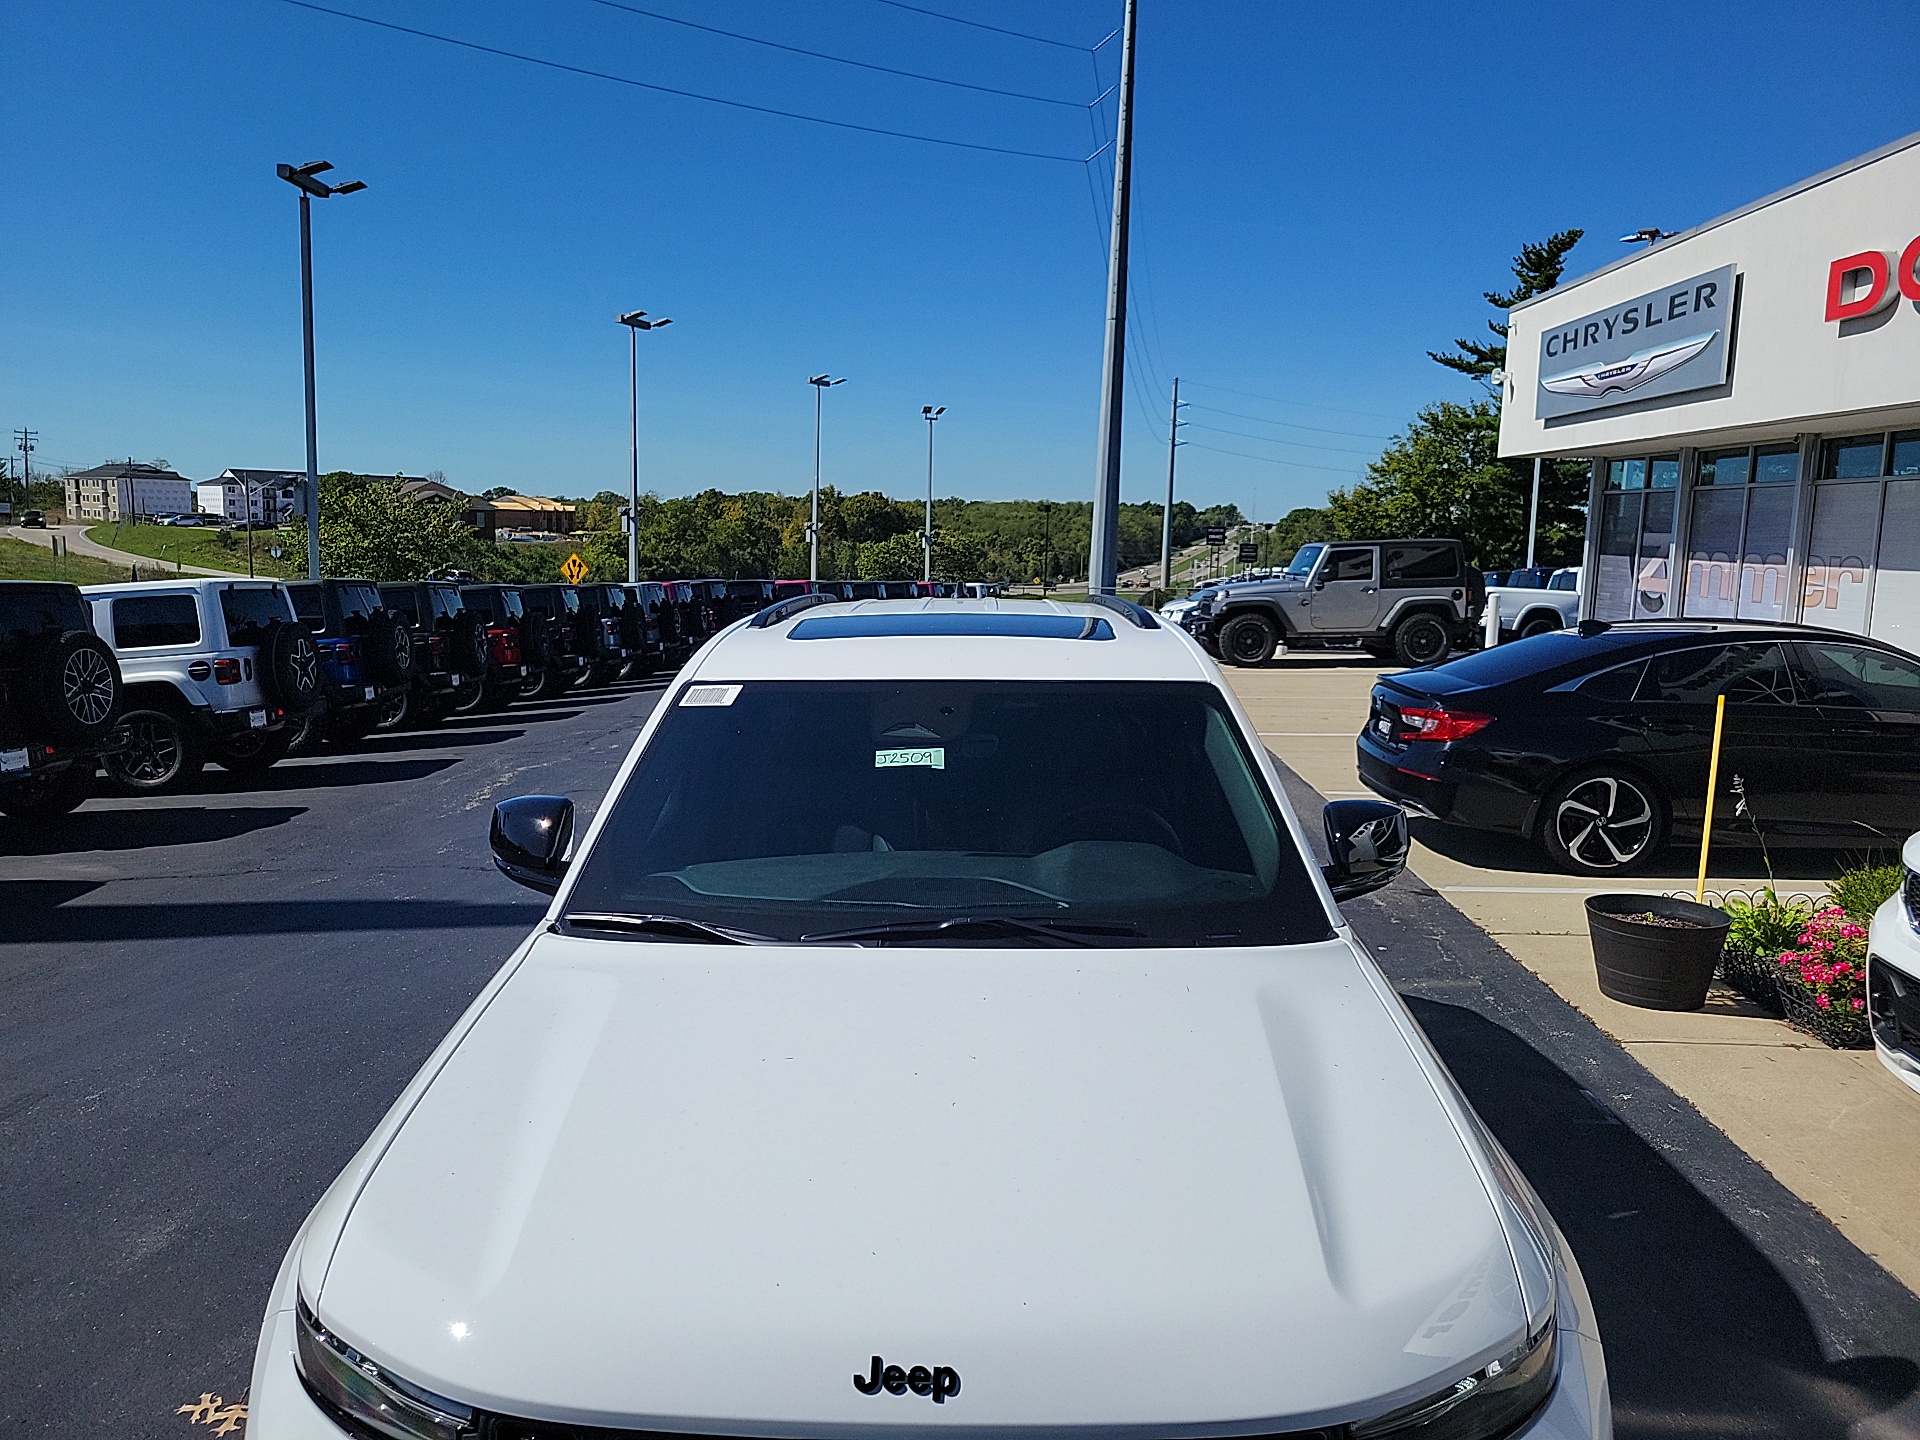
x,y
1524,610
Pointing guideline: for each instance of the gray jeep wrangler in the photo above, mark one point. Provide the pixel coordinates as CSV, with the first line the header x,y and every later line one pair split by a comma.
x,y
1410,600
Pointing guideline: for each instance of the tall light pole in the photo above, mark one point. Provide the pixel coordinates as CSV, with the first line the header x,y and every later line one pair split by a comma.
x,y
301,178
933,413
635,321
820,384
1104,554
1533,512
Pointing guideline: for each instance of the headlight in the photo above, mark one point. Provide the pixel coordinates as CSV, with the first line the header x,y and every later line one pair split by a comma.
x,y
369,1400
1491,1402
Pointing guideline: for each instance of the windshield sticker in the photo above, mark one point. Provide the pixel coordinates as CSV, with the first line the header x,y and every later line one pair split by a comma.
x,y
710,695
924,757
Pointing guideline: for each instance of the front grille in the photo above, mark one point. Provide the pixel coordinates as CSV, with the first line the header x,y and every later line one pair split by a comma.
x,y
1893,1007
1911,891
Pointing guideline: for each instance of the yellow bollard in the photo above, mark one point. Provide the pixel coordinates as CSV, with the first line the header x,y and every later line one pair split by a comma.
x,y
1713,782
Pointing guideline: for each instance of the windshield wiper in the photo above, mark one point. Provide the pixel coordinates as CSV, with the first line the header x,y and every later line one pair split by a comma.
x,y
967,927
666,927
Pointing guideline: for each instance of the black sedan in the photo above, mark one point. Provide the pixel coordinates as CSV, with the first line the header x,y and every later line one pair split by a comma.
x,y
1595,744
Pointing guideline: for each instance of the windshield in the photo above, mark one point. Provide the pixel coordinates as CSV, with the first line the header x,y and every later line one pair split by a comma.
x,y
794,809
1303,558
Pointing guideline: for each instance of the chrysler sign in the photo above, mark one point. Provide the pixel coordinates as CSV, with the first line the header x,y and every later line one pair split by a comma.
x,y
1666,342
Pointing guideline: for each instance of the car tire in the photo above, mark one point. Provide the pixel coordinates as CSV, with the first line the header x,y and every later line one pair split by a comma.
x,y
390,652
292,662
396,710
1540,625
76,687
44,797
470,696
471,643
1606,820
1248,639
1421,639
536,642
252,752
162,754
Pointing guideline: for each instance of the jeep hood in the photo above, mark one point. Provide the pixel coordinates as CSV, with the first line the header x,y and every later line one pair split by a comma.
x,y
699,1188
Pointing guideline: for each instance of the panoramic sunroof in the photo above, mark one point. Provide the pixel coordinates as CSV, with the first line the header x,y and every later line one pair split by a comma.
x,y
918,623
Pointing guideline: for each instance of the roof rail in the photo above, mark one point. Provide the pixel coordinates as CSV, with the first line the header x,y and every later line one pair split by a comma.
x,y
1141,617
787,609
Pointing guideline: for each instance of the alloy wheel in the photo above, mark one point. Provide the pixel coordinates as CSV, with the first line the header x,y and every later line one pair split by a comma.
x,y
1605,822
153,753
86,684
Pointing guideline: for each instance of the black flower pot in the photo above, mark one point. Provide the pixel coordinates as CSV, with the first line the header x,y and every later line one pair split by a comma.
x,y
1655,966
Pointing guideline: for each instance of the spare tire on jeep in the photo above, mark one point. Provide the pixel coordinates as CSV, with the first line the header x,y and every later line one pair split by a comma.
x,y
73,686
536,646
389,649
292,663
470,642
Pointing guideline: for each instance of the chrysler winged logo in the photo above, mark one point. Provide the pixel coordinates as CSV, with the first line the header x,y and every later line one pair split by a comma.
x,y
1640,368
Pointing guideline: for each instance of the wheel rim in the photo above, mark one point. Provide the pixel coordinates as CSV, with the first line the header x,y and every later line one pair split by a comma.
x,y
154,754
303,670
392,711
86,683
1249,643
1425,641
1605,822
246,745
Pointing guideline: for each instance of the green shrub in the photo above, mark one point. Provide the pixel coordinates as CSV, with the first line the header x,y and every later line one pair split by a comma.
x,y
1862,889
1767,926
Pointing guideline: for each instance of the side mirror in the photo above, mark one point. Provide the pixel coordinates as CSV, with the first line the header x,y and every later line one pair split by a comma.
x,y
530,837
1368,842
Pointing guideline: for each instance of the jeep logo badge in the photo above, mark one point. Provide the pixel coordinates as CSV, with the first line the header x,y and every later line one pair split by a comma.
x,y
939,1382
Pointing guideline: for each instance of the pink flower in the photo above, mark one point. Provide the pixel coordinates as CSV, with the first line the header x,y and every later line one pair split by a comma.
x,y
1858,1003
1823,1002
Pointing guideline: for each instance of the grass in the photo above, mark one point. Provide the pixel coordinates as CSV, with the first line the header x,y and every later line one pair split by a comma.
x,y
195,548
20,560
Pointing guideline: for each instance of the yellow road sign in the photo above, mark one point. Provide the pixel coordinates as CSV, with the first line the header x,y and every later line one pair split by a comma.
x,y
575,569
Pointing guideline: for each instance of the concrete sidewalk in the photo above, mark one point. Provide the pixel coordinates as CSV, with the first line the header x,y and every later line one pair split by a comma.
x,y
1830,1125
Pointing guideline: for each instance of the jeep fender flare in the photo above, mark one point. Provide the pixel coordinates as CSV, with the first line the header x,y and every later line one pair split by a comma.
x,y
1446,610
1272,609
163,692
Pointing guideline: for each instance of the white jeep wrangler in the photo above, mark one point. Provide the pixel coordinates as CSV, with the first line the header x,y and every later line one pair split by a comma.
x,y
213,669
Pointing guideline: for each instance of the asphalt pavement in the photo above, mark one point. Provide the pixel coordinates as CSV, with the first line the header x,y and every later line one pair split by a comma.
x,y
207,1000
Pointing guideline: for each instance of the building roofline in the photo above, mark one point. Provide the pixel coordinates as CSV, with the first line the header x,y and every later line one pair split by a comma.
x,y
1799,187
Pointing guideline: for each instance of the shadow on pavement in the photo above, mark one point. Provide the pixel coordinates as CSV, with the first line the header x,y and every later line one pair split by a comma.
x,y
398,742
38,910
115,829
1703,1334
519,712
320,775
1677,864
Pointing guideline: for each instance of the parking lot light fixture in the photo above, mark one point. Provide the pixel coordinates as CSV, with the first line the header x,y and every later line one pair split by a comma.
x,y
303,178
933,413
635,321
820,383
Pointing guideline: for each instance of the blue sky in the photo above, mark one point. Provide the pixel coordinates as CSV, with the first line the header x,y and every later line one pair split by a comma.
x,y
1321,194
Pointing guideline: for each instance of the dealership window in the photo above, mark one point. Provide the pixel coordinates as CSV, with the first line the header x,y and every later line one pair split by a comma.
x,y
1863,554
1742,534
1858,457
1906,454
1636,539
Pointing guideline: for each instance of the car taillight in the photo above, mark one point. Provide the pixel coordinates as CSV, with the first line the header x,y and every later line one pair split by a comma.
x,y
1442,725
346,652
226,672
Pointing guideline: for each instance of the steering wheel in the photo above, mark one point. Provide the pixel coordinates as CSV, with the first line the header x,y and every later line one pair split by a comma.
x,y
1115,821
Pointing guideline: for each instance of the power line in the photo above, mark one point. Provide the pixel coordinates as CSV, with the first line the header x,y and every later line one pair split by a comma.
x,y
843,60
1276,440
998,30
683,94
1303,404
1287,424
1269,460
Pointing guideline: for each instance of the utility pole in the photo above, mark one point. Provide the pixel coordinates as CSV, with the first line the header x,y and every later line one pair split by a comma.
x,y
821,384
635,321
1533,514
932,413
1166,517
24,441
1103,555
301,177
1046,545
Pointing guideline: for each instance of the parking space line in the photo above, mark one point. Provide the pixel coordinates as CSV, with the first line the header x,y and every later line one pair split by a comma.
x,y
1306,734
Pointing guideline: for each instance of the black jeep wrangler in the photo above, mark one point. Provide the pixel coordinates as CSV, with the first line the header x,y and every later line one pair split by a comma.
x,y
450,654
60,698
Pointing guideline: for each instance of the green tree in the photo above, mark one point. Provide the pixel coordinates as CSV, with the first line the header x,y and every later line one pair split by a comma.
x,y
370,530
1537,269
1300,526
1445,478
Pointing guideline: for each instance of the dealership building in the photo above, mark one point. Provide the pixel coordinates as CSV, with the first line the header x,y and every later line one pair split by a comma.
x,y
1748,393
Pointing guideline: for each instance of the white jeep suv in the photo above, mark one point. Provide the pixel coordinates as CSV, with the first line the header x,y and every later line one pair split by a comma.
x,y
940,1026
212,669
